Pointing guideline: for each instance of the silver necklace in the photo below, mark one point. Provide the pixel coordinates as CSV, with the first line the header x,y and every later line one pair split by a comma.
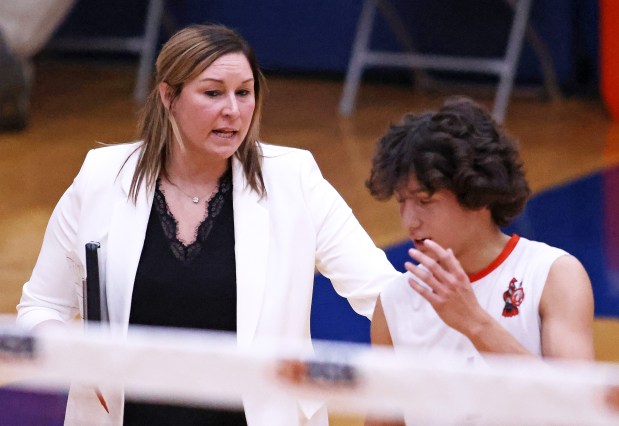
x,y
194,198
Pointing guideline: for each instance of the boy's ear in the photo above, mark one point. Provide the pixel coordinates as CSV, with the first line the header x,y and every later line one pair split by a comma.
x,y
165,93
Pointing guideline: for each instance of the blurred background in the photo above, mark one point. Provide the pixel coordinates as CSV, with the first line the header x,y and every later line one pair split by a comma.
x,y
85,82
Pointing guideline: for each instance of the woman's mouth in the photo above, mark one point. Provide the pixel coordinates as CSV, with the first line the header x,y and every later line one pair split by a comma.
x,y
225,133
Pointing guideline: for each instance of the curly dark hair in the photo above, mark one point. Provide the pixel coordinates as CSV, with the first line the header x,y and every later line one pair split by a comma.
x,y
459,148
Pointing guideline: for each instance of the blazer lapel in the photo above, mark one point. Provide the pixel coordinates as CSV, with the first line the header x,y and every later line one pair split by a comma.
x,y
251,233
125,242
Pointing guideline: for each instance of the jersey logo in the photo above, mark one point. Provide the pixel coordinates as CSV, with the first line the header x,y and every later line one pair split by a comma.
x,y
513,297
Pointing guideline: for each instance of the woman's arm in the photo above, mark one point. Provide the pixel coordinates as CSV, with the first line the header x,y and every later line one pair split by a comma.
x,y
51,292
345,253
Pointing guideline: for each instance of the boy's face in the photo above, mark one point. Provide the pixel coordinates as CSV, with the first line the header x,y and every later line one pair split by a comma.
x,y
439,217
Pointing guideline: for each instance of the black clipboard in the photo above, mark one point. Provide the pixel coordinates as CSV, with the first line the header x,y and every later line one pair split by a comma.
x,y
95,300
95,303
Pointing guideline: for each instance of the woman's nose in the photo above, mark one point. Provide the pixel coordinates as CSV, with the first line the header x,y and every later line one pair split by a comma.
x,y
232,106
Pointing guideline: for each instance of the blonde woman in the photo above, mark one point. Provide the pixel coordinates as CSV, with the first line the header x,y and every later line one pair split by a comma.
x,y
203,226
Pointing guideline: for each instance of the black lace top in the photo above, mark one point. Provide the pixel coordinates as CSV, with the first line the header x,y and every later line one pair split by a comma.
x,y
190,286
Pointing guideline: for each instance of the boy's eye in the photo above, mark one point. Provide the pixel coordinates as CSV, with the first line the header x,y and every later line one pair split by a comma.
x,y
424,199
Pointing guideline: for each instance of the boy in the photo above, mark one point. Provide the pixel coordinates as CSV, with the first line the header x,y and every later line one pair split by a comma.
x,y
458,178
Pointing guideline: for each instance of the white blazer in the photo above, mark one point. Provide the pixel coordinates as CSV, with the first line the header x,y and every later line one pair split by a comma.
x,y
301,224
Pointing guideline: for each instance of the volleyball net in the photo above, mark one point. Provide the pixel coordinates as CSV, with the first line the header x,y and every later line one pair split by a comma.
x,y
207,368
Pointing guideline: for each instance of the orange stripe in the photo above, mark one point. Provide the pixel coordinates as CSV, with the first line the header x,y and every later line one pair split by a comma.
x,y
507,250
101,399
609,55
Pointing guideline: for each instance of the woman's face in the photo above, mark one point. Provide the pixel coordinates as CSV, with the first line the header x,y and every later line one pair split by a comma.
x,y
213,112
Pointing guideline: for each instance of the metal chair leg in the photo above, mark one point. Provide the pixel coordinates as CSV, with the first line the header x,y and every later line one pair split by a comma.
x,y
357,59
514,47
149,47
504,67
549,74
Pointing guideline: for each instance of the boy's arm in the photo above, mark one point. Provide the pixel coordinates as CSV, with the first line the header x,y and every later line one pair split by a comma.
x,y
379,330
566,311
380,335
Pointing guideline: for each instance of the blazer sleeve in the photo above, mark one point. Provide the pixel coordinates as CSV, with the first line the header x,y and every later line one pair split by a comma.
x,y
345,253
54,288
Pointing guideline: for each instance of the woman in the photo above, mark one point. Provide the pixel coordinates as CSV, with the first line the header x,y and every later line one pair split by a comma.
x,y
201,225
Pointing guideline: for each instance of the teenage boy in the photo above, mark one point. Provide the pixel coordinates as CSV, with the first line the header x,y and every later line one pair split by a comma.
x,y
458,179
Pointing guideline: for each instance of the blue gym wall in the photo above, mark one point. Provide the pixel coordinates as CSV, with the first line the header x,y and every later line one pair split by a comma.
x,y
315,36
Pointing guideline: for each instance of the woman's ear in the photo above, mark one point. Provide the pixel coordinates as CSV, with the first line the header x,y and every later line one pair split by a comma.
x,y
165,93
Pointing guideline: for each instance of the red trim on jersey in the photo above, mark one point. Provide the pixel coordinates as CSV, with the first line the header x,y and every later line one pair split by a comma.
x,y
507,250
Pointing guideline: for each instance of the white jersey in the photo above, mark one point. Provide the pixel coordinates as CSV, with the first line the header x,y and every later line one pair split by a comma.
x,y
510,289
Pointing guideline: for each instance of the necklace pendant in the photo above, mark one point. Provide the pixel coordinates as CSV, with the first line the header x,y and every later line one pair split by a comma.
x,y
195,200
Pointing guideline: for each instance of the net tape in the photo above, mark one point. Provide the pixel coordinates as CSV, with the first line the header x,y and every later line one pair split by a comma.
x,y
208,368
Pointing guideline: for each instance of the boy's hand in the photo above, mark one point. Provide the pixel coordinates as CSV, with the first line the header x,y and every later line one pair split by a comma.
x,y
448,290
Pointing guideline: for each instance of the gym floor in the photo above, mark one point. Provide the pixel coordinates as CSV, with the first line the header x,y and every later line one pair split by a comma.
x,y
570,148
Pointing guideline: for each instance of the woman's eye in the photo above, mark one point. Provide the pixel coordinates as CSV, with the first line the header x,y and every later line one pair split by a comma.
x,y
212,93
243,92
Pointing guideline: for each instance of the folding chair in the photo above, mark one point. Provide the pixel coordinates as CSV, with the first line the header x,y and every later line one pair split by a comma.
x,y
145,45
504,67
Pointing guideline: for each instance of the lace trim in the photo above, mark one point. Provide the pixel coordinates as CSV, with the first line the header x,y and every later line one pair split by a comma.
x,y
187,253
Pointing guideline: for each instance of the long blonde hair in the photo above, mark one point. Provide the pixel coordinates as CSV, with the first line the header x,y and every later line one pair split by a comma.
x,y
187,54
